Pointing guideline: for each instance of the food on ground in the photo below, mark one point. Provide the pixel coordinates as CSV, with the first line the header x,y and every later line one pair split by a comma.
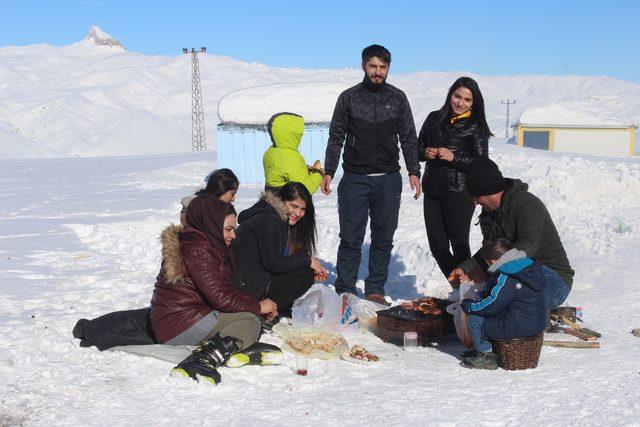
x,y
309,342
427,305
360,353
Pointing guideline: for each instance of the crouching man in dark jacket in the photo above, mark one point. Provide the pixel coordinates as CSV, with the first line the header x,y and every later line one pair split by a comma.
x,y
514,306
509,211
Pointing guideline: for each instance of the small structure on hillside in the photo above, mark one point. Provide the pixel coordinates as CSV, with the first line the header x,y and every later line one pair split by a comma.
x,y
242,137
560,128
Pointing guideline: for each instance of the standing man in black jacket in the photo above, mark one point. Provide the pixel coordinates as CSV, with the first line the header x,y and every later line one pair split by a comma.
x,y
370,116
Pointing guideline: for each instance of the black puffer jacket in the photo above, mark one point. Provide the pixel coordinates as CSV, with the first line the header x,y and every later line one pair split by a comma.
x,y
260,244
371,120
467,142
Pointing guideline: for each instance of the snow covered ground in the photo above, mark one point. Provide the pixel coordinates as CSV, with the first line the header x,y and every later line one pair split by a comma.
x,y
79,238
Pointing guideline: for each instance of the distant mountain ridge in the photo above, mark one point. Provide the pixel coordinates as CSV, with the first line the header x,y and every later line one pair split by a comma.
x,y
95,98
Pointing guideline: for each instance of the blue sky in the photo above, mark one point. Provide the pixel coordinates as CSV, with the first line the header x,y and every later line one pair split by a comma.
x,y
558,37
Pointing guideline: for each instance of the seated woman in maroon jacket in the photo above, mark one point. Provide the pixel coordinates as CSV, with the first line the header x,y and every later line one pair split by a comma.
x,y
194,299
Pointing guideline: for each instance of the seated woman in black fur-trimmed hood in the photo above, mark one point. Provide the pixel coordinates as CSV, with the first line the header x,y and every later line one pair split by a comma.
x,y
275,246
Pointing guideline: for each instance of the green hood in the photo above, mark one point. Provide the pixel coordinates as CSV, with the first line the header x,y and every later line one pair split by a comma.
x,y
285,130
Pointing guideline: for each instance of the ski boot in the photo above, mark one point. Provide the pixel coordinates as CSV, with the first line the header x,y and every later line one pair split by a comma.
x,y
203,362
260,353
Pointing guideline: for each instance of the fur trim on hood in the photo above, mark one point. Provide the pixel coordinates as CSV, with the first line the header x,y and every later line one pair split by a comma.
x,y
276,203
171,258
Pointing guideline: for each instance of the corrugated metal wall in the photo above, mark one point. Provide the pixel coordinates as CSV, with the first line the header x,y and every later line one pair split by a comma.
x,y
240,148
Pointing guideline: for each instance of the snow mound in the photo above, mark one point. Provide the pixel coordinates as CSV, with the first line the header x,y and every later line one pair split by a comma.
x,y
254,106
567,115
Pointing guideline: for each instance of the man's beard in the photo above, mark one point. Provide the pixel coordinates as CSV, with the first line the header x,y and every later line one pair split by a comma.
x,y
371,85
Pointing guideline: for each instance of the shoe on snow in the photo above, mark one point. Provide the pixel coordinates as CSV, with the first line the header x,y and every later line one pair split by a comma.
x,y
202,363
198,370
467,354
260,353
481,361
78,330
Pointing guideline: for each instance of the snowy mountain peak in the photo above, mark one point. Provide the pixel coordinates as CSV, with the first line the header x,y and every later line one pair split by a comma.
x,y
100,38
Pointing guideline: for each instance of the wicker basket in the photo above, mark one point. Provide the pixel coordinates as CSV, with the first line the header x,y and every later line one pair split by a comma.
x,y
518,353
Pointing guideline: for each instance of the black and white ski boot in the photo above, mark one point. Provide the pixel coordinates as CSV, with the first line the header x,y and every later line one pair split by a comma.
x,y
260,353
201,365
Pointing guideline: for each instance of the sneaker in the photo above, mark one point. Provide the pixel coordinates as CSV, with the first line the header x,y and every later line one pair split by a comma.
x,y
481,361
260,353
378,299
467,354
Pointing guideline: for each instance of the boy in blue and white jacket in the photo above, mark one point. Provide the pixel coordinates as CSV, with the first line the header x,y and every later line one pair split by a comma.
x,y
514,306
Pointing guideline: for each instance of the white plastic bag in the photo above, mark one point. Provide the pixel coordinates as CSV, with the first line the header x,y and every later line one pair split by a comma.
x,y
320,306
365,311
460,317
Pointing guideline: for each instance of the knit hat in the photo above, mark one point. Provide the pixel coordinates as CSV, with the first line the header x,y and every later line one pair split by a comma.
x,y
484,178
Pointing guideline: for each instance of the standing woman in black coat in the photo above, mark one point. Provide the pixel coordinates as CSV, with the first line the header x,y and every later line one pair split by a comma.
x,y
449,141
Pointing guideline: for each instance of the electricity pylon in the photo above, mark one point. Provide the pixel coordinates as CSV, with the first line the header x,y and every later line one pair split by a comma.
x,y
198,136
506,126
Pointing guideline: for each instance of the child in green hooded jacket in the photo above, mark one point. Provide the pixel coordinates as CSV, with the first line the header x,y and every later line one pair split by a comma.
x,y
282,161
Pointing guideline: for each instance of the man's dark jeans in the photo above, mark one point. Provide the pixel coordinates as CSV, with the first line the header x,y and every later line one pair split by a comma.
x,y
361,196
555,289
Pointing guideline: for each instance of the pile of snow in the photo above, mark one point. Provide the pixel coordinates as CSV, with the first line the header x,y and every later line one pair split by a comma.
x,y
570,115
254,106
95,98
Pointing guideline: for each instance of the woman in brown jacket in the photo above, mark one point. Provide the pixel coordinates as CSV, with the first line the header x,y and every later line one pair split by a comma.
x,y
193,301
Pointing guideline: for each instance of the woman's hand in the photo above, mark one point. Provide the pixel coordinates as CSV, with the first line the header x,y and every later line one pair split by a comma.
x,y
268,306
321,277
445,154
271,316
431,153
316,266
321,273
456,277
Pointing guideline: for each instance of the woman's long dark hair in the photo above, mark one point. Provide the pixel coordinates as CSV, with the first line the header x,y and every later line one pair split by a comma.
x,y
477,109
302,236
219,182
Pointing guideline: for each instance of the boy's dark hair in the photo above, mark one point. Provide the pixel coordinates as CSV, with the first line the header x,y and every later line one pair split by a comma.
x,y
378,51
494,249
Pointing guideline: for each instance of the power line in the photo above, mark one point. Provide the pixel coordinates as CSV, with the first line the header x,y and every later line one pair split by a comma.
x,y
198,137
506,125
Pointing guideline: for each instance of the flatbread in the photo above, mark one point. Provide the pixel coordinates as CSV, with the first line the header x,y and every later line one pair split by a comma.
x,y
311,342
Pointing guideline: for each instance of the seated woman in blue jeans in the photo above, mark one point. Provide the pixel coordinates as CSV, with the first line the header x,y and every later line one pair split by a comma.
x,y
514,306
